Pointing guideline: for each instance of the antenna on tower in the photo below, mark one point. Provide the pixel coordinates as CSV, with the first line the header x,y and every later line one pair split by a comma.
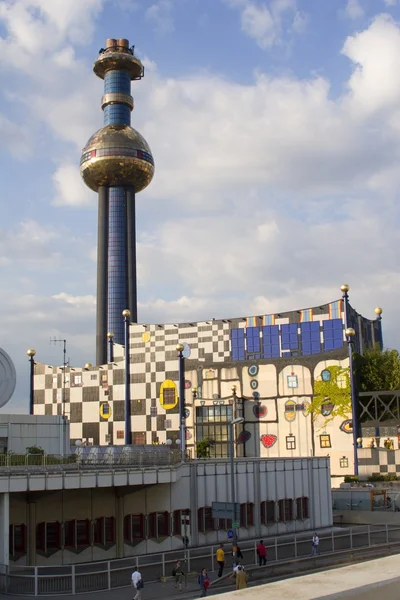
x,y
64,367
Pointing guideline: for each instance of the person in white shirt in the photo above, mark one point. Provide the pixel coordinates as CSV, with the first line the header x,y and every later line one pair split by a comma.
x,y
315,545
136,578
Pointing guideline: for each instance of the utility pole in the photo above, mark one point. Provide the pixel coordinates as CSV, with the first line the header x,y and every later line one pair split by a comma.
x,y
65,365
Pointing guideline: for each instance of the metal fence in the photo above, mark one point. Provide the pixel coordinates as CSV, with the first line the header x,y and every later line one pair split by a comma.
x,y
107,575
47,462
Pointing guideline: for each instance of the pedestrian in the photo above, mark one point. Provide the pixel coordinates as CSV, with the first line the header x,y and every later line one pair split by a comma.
x,y
220,556
204,582
315,545
241,579
261,553
238,552
236,568
178,574
137,583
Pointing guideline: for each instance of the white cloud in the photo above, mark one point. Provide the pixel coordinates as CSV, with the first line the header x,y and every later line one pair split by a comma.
x,y
70,189
160,14
269,24
353,9
390,2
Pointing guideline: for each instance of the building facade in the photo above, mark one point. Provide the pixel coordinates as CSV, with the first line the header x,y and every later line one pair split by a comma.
x,y
81,516
263,368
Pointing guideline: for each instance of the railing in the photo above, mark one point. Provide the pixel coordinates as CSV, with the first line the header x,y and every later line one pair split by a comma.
x,y
107,575
46,462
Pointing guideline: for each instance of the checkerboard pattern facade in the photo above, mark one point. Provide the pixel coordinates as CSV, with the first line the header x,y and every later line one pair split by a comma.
x,y
93,398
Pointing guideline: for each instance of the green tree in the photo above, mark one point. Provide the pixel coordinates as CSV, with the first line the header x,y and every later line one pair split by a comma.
x,y
332,395
377,370
203,448
35,450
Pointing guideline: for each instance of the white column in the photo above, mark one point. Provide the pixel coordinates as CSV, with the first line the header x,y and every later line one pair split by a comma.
x,y
4,531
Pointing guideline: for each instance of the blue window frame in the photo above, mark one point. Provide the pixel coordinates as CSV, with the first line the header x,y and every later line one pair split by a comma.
x,y
253,339
237,344
310,338
271,341
290,339
333,334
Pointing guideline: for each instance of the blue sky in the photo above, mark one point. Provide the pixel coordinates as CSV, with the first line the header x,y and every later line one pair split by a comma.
x,y
275,127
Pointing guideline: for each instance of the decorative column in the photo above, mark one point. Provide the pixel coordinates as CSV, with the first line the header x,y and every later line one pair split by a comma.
x,y
350,333
31,353
128,437
180,348
110,337
378,312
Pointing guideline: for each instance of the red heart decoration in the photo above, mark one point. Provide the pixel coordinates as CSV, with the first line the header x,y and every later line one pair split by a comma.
x,y
268,440
259,411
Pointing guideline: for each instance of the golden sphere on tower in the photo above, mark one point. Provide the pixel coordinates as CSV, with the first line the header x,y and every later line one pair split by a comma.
x,y
117,155
110,335
350,332
126,313
378,310
345,288
88,365
31,352
180,347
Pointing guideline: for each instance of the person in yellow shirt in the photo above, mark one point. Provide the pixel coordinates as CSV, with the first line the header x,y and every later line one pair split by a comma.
x,y
220,556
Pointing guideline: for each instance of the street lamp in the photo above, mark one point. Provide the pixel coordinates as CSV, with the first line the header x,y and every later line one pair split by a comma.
x,y
31,353
180,348
350,333
110,336
378,312
231,426
128,438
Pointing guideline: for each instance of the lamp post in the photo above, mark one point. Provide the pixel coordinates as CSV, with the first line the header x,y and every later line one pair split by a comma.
x,y
31,353
350,333
180,348
128,438
231,426
110,336
378,312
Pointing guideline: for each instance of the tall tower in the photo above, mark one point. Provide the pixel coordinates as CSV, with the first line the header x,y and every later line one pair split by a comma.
x,y
116,163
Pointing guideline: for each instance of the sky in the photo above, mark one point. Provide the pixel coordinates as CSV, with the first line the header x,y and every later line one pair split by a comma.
x,y
275,129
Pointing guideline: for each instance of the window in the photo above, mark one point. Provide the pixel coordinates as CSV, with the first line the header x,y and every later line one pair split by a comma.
x,y
48,537
302,508
253,341
267,510
290,442
178,521
205,521
285,510
344,462
78,380
292,381
17,540
120,434
325,440
77,534
133,528
139,438
153,411
271,341
169,396
246,514
104,531
310,338
158,525
93,377
290,339
168,423
333,334
237,344
212,423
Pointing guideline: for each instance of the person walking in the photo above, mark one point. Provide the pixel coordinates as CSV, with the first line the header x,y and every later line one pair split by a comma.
x,y
204,582
137,584
261,553
241,579
179,574
315,545
220,556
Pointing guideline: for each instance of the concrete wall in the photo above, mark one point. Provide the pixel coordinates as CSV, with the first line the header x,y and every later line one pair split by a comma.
x,y
18,432
200,484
